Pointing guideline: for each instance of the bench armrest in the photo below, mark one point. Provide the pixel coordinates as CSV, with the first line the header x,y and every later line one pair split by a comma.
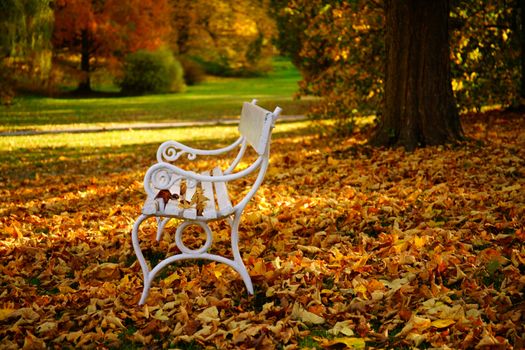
x,y
170,151
164,175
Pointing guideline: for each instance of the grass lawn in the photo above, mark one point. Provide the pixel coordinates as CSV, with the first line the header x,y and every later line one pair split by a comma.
x,y
216,98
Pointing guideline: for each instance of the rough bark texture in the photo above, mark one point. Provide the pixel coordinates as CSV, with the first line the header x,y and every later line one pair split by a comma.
x,y
420,108
521,10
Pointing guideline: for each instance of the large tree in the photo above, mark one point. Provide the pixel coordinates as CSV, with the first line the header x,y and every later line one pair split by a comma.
x,y
420,108
101,31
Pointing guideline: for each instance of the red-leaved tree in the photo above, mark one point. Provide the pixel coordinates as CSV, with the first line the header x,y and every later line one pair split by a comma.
x,y
103,31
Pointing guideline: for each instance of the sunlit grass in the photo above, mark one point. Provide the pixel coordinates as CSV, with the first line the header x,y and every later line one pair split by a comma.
x,y
189,135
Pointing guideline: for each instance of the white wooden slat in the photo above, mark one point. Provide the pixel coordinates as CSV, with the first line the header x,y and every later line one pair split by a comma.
x,y
223,199
173,208
255,125
209,211
150,207
175,188
190,213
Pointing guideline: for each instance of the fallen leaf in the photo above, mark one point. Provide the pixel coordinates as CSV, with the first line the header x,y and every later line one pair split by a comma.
x,y
209,315
299,313
443,323
344,327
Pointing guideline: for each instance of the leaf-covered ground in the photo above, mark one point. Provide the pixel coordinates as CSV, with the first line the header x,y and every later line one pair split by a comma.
x,y
348,246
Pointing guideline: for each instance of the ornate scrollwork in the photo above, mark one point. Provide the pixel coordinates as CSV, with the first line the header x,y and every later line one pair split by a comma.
x,y
182,247
163,178
170,151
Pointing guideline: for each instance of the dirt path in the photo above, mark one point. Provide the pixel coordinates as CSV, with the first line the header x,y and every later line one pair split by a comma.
x,y
139,126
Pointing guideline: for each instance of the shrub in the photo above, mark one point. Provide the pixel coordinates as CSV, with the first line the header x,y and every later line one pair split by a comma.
x,y
193,71
151,72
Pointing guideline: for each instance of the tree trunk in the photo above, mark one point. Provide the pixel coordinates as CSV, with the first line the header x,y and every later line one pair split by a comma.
x,y
85,82
521,36
420,108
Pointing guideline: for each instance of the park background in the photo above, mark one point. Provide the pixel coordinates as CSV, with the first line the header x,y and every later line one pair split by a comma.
x,y
351,243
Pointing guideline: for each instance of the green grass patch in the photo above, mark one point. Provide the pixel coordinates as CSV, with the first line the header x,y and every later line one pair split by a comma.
x,y
214,99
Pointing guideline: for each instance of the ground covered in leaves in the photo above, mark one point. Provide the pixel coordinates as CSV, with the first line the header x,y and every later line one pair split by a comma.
x,y
348,247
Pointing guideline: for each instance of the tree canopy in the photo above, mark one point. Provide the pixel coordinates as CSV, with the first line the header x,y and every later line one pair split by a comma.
x,y
103,31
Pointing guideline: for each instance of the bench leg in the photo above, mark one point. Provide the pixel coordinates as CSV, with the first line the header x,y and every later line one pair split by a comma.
x,y
140,257
237,264
161,223
241,268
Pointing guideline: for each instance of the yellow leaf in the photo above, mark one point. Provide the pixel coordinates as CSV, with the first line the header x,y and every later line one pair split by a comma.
x,y
299,313
332,161
419,242
443,323
511,188
112,319
415,324
46,327
343,328
361,289
5,313
107,271
159,315
208,315
309,249
173,277
66,289
73,336
350,342
259,268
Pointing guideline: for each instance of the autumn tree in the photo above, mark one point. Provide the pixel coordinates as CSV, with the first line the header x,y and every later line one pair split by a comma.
x,y
103,31
420,108
231,37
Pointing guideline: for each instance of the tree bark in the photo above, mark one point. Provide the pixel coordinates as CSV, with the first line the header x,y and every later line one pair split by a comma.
x,y
521,5
420,108
85,82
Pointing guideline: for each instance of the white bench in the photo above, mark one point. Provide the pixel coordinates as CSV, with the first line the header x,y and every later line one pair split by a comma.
x,y
171,189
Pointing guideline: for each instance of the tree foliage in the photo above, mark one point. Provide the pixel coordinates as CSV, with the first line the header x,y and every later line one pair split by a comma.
x,y
103,32
227,37
341,54
339,47
25,49
486,38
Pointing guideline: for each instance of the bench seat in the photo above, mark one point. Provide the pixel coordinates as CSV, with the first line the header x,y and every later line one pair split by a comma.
x,y
218,204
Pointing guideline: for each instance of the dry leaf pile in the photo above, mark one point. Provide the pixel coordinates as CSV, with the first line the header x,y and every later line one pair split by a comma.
x,y
348,247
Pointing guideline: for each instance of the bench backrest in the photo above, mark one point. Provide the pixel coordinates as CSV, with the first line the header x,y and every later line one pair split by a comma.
x,y
255,125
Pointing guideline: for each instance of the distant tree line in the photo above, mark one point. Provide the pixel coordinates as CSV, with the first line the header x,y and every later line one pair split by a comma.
x,y
48,41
